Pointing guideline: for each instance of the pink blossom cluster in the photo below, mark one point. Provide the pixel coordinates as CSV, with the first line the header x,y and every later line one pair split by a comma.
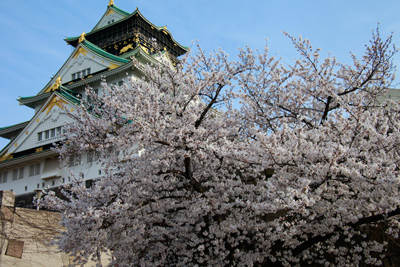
x,y
251,162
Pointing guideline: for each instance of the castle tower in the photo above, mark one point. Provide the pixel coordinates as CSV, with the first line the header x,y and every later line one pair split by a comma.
x,y
27,163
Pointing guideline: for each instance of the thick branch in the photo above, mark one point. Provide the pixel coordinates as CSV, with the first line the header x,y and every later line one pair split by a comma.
x,y
189,175
328,101
314,240
209,106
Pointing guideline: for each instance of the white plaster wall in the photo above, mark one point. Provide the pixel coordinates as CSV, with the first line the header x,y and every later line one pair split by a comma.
x,y
105,20
82,62
55,118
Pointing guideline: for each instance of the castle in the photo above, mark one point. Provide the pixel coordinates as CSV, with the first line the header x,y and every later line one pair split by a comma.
x,y
28,164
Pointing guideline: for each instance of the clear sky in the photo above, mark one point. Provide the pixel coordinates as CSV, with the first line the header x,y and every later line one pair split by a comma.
x,y
32,32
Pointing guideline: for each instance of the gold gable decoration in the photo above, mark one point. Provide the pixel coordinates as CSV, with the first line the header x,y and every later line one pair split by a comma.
x,y
6,156
55,86
82,51
55,102
111,3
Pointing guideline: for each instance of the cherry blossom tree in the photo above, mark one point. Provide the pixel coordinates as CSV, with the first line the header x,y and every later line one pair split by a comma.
x,y
297,173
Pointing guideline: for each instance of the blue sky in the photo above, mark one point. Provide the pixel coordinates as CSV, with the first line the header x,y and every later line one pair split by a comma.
x,y
32,32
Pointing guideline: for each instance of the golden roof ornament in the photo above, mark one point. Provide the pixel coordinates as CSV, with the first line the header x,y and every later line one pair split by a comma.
x,y
82,37
58,80
58,83
111,3
55,86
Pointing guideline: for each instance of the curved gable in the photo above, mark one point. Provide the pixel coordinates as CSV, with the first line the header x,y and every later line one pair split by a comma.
x,y
85,60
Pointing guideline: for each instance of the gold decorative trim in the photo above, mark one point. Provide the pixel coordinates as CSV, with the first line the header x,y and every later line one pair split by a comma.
x,y
126,48
111,3
39,149
55,86
82,37
56,101
113,66
6,156
144,49
82,51
110,12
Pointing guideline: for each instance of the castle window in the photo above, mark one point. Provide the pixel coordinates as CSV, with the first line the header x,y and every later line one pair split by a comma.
x,y
26,188
51,133
86,72
93,156
74,160
18,174
3,177
34,169
21,173
37,169
80,74
58,131
111,151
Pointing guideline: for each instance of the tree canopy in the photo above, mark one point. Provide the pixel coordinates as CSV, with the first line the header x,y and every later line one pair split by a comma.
x,y
252,162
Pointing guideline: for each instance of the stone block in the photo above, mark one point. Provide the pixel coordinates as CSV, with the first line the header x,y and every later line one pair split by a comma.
x,y
7,198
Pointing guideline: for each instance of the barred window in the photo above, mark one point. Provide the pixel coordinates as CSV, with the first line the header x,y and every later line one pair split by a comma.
x,y
51,133
93,156
3,177
18,174
80,74
34,169
74,160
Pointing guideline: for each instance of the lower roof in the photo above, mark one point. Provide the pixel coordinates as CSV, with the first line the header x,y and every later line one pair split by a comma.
x,y
10,131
